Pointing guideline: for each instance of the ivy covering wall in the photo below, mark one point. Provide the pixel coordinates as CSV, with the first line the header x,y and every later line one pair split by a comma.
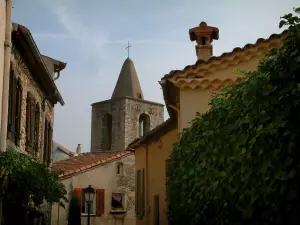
x,y
239,163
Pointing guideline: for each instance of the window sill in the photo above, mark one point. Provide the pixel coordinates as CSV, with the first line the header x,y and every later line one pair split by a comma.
x,y
118,211
91,215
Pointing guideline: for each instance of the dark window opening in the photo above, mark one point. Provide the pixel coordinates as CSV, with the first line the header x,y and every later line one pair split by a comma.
x,y
107,132
117,201
203,40
144,124
120,169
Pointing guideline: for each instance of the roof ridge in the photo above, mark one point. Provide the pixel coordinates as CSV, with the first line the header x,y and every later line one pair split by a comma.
x,y
81,163
236,49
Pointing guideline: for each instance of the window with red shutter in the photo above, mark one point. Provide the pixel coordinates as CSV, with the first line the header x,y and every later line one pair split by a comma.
x,y
100,201
78,192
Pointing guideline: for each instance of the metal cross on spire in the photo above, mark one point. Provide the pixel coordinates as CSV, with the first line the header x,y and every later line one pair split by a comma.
x,y
128,46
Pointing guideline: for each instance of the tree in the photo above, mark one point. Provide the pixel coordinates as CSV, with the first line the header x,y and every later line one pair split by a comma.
x,y
74,211
26,182
239,163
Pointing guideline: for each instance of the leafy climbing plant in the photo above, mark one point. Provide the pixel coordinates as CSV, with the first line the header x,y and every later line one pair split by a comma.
x,y
239,163
23,180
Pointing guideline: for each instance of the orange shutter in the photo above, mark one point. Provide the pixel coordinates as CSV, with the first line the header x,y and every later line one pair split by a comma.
x,y
78,192
100,201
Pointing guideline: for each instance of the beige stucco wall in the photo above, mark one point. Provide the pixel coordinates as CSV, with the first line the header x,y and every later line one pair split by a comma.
x,y
28,84
197,100
158,152
103,177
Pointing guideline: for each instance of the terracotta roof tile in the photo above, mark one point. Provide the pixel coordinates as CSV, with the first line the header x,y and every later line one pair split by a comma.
x,y
85,161
237,49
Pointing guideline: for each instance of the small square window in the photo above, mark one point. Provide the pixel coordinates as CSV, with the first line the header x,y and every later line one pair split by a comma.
x,y
117,201
120,169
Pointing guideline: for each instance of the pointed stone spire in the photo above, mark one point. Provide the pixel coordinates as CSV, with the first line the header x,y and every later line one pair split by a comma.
x,y
128,84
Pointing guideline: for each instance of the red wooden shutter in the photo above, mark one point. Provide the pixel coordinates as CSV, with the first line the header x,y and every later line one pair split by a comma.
x,y
78,192
100,201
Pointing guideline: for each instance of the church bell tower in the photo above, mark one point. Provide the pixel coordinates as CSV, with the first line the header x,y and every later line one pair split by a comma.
x,y
126,116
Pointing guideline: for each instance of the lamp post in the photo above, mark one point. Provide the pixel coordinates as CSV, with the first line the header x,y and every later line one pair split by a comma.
x,y
89,194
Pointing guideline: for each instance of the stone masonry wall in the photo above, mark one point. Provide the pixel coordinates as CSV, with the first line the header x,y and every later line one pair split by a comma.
x,y
134,108
99,110
28,85
125,125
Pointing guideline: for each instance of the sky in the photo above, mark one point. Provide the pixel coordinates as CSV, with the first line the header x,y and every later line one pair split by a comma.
x,y
91,37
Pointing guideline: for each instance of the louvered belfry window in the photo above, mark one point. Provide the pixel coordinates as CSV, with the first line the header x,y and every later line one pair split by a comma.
x,y
14,109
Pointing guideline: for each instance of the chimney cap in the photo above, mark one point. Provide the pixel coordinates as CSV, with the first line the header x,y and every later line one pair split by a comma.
x,y
203,29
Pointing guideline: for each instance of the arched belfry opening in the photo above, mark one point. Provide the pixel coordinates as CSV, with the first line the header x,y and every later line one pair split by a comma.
x,y
106,132
144,124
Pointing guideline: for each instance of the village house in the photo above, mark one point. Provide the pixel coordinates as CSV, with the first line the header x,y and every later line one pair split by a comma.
x,y
108,168
32,96
59,152
186,93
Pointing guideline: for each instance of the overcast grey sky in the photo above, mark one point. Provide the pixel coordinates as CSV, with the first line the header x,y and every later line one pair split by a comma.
x,y
91,36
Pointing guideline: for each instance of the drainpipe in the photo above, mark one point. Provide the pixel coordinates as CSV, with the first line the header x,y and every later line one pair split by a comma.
x,y
5,89
148,209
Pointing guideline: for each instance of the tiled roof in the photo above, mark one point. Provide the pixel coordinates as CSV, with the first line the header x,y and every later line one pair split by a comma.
x,y
64,150
161,129
85,161
235,50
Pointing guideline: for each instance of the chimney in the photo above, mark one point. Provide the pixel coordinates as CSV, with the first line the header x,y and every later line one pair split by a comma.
x,y
204,36
78,149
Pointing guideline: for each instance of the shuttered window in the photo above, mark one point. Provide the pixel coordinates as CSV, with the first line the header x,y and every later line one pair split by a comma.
x,y
140,193
14,109
48,134
98,203
37,129
32,124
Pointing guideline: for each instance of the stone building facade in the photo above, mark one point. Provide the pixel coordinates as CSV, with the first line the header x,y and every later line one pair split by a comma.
x,y
126,116
32,97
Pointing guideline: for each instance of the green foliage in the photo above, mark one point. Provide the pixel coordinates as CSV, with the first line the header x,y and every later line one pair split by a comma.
x,y
23,180
239,163
74,211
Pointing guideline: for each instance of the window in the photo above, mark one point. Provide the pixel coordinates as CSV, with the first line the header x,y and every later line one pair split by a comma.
x,y
156,209
32,124
14,109
97,206
203,40
144,124
106,132
48,132
140,193
117,201
120,169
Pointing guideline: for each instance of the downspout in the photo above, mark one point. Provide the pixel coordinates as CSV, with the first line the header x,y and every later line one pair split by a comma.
x,y
5,88
148,209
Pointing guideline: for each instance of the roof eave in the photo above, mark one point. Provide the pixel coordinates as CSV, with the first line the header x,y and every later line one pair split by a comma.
x,y
26,35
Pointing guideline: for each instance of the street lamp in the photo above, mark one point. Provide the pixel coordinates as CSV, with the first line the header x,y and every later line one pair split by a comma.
x,y
89,194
